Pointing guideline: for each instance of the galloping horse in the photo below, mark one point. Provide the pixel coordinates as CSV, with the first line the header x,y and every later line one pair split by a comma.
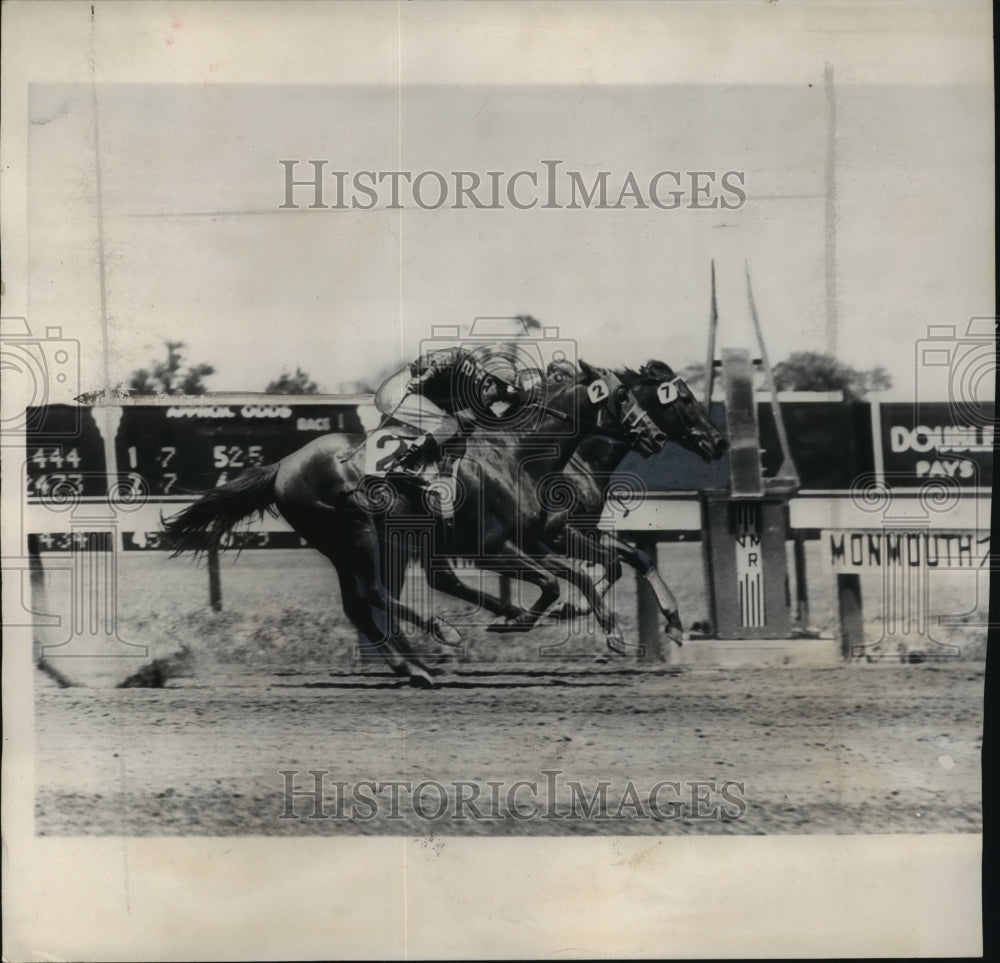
x,y
368,531
662,397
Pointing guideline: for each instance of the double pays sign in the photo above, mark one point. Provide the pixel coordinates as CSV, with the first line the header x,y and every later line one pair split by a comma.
x,y
924,442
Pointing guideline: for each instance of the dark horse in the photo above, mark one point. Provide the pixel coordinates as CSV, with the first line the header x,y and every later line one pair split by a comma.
x,y
588,481
368,531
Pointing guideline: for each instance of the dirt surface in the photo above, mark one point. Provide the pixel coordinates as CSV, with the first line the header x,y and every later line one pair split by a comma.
x,y
856,748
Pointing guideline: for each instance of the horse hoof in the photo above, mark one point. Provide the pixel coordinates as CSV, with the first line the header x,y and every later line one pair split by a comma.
x,y
674,634
617,644
421,680
446,634
674,627
503,625
567,612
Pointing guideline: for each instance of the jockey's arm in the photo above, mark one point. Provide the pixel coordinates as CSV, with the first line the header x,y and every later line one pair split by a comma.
x,y
466,419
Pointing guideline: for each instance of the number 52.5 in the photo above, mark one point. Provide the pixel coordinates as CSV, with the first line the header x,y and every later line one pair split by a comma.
x,y
233,456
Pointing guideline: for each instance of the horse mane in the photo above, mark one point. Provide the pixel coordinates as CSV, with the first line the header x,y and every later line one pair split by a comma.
x,y
658,370
652,372
628,376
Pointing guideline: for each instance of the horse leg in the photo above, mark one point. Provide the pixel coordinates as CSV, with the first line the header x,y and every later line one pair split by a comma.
x,y
438,628
562,567
586,546
433,625
445,580
530,570
353,549
609,552
370,616
513,618
395,559
645,567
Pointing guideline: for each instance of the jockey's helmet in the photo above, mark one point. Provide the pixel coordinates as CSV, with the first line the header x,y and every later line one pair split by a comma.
x,y
503,371
562,369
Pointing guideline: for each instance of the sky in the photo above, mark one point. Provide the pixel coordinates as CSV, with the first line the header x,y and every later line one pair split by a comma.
x,y
195,247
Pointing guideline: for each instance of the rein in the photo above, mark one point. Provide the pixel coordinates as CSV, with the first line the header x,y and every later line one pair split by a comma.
x,y
630,421
561,415
643,433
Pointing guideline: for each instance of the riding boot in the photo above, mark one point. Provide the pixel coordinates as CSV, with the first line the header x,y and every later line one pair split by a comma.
x,y
453,449
419,454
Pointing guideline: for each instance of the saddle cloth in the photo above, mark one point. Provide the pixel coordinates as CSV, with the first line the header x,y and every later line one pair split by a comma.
x,y
437,481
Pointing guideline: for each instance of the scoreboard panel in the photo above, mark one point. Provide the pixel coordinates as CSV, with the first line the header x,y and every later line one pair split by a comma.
x,y
180,450
64,454
167,452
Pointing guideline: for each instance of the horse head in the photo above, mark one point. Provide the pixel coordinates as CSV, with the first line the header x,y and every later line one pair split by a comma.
x,y
666,400
568,388
648,407
609,405
601,401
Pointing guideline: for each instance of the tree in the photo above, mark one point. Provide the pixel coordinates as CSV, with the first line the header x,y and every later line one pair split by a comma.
x,y
875,379
370,383
813,371
168,378
292,384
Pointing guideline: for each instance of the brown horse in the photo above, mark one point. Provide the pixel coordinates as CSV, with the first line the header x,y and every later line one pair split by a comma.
x,y
577,496
371,529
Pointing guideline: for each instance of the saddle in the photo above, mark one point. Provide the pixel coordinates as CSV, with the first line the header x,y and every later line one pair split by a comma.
x,y
435,480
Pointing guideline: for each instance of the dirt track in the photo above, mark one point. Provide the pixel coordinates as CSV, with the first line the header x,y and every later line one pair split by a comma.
x,y
884,748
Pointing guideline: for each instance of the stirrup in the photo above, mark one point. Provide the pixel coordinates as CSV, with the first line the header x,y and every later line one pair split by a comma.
x,y
407,471
410,462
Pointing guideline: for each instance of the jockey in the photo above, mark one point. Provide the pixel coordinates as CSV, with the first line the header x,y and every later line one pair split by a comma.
x,y
445,391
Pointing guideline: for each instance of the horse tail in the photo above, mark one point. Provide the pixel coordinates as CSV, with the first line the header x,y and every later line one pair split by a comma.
x,y
202,526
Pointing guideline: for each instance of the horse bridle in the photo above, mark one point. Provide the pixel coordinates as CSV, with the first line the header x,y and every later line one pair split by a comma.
x,y
644,435
619,406
631,420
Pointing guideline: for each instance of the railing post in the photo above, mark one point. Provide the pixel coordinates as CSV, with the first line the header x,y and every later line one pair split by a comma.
x,y
649,615
852,637
214,581
801,581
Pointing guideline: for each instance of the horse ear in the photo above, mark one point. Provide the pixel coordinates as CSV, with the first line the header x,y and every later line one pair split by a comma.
x,y
586,369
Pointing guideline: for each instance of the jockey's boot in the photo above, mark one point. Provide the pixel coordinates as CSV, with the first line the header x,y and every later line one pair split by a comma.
x,y
419,454
451,451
